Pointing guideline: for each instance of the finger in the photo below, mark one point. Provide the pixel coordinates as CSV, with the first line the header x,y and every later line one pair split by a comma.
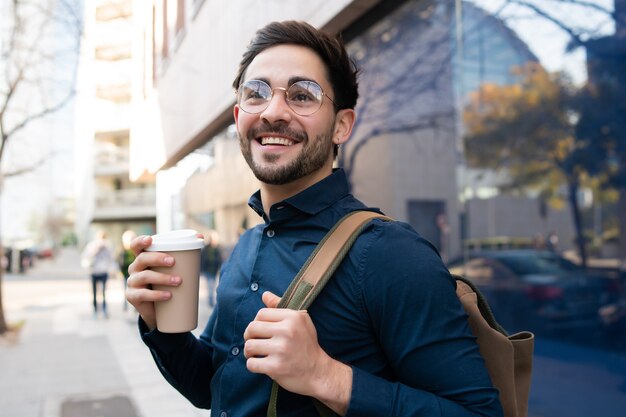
x,y
258,365
139,243
270,300
274,314
148,277
142,295
257,348
259,330
145,260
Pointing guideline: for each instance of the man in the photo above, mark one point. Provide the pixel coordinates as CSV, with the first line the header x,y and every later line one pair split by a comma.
x,y
386,337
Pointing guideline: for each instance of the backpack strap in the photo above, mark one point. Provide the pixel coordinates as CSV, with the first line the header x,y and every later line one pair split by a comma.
x,y
316,272
325,259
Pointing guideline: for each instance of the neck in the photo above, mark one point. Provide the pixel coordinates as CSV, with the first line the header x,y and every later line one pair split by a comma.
x,y
272,194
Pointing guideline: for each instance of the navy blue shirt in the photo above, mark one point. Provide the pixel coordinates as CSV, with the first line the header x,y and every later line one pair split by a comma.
x,y
390,312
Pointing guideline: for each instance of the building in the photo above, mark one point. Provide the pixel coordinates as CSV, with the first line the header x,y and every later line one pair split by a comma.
x,y
109,199
184,101
404,154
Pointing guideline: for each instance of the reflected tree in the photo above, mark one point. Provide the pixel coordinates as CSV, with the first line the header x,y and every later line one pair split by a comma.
x,y
528,130
600,133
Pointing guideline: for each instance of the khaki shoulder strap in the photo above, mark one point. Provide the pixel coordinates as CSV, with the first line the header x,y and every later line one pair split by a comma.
x,y
316,272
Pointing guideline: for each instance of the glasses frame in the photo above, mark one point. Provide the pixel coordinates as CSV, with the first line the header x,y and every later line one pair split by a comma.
x,y
284,90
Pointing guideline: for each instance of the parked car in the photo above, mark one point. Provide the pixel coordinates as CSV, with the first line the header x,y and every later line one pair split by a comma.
x,y
542,291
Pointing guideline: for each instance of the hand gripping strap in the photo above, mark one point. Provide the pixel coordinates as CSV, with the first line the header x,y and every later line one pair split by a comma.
x,y
316,272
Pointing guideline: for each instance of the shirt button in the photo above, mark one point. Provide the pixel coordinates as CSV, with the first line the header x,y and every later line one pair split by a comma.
x,y
235,351
223,414
254,286
270,233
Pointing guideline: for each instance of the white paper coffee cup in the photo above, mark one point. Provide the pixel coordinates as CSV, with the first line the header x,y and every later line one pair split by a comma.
x,y
180,313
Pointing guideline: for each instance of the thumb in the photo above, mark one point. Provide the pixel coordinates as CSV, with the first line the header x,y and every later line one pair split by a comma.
x,y
270,300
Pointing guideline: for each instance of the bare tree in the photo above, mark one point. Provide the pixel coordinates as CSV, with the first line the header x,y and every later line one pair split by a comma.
x,y
39,47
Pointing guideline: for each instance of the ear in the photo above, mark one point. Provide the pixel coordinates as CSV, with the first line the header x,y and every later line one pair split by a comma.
x,y
236,114
344,122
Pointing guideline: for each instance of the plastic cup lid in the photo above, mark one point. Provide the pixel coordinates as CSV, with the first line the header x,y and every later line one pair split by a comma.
x,y
176,240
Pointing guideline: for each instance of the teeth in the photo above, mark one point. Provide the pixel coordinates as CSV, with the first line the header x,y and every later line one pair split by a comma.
x,y
276,141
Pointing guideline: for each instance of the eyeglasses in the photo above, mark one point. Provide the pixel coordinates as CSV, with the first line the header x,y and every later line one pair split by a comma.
x,y
303,97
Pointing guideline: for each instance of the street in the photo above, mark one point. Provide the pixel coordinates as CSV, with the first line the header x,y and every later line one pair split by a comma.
x,y
66,363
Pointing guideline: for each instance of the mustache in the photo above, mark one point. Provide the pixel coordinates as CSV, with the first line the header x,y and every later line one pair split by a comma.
x,y
281,130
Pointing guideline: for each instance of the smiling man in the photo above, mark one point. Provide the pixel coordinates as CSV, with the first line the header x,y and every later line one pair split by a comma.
x,y
386,337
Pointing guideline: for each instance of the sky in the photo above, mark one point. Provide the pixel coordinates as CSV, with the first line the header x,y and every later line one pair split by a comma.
x,y
545,39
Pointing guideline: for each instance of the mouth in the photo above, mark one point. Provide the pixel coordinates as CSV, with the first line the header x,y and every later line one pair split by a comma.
x,y
276,141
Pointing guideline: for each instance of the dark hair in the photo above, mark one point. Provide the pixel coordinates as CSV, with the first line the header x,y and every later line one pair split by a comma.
x,y
342,71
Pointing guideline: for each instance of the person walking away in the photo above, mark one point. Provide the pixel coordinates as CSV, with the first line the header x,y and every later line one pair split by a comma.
x,y
210,264
98,257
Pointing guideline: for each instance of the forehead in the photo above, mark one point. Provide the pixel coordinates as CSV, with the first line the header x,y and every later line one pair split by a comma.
x,y
281,63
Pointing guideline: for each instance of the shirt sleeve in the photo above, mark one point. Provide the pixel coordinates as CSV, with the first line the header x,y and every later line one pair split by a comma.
x,y
184,360
409,298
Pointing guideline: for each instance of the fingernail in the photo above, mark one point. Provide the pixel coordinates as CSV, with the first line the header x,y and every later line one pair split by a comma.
x,y
167,295
168,260
145,240
175,280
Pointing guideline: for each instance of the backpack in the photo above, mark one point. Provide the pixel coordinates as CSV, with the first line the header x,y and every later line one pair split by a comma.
x,y
508,358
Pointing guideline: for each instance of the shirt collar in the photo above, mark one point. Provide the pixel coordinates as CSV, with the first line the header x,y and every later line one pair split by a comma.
x,y
314,199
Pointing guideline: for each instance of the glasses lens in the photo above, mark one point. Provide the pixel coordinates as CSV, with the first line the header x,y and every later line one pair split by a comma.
x,y
254,96
305,97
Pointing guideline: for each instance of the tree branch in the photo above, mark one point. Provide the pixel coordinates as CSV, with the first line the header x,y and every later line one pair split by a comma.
x,y
48,110
575,37
28,168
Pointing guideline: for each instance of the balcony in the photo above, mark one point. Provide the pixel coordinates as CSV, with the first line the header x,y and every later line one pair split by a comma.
x,y
111,159
114,10
113,52
126,204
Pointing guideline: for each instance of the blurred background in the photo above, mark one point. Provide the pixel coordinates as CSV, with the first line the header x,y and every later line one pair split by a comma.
x,y
496,128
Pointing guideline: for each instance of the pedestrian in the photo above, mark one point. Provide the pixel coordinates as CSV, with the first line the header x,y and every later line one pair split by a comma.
x,y
210,263
386,337
98,257
126,257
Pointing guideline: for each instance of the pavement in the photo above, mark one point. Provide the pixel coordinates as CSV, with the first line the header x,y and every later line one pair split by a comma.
x,y
64,362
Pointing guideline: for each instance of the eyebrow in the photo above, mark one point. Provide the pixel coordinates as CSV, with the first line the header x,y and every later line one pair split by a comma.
x,y
290,82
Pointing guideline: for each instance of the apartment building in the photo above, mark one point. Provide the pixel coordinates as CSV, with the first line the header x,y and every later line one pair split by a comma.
x,y
109,199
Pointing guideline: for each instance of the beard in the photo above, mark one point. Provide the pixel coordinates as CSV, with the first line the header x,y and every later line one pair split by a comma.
x,y
312,157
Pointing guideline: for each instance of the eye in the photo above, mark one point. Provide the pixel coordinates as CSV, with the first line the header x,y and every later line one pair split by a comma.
x,y
255,91
304,93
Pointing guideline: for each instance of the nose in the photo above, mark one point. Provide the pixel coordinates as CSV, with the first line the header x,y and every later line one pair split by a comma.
x,y
277,109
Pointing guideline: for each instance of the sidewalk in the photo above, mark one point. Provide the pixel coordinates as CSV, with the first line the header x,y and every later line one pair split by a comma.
x,y
66,363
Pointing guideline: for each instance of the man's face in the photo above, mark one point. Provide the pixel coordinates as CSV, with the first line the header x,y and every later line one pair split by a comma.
x,y
279,145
